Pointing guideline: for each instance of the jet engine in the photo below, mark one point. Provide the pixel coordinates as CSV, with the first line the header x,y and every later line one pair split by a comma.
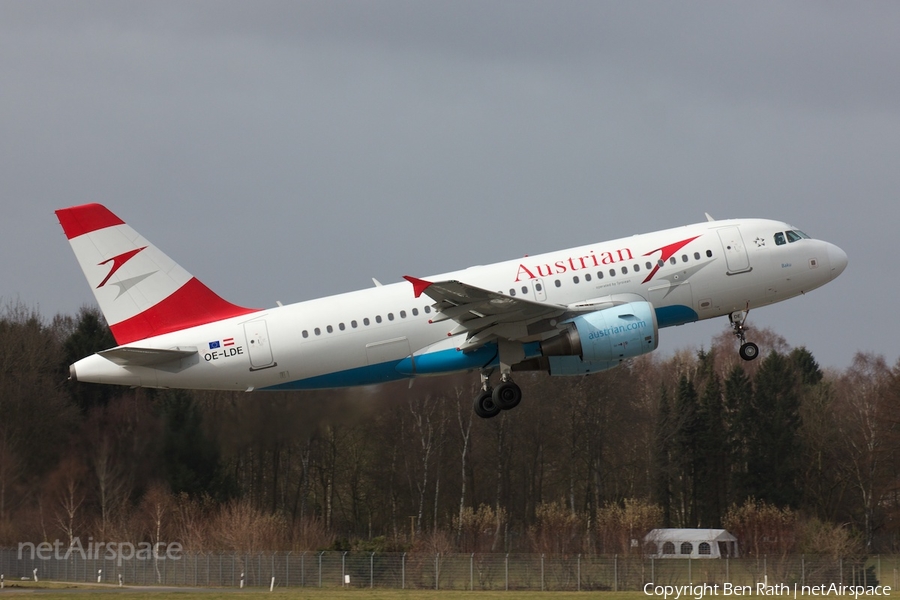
x,y
601,340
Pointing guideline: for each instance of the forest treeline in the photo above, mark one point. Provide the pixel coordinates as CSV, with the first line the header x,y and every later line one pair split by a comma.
x,y
789,457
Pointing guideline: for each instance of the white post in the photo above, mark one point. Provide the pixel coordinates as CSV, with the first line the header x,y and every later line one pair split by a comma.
x,y
99,575
2,582
35,575
242,580
120,580
272,585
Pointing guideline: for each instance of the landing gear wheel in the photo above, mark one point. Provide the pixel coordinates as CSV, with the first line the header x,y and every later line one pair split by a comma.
x,y
749,351
507,395
485,407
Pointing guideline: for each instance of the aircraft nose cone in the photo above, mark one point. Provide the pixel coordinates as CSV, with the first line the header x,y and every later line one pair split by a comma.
x,y
838,260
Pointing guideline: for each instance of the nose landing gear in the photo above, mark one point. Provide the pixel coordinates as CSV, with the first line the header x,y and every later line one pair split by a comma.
x,y
748,350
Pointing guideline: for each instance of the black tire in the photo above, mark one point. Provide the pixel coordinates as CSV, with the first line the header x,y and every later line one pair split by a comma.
x,y
749,351
485,407
507,395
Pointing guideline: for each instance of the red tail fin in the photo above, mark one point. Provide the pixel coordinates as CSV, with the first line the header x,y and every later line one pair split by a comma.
x,y
141,291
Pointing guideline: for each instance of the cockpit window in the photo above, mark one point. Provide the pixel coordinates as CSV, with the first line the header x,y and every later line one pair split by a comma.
x,y
793,236
779,239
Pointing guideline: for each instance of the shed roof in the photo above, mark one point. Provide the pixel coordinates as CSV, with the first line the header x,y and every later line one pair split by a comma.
x,y
690,535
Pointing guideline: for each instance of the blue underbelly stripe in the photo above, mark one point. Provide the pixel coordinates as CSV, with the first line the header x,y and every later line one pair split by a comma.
x,y
667,316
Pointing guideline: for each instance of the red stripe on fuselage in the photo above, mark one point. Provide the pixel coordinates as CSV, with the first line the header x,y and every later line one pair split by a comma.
x,y
79,220
190,305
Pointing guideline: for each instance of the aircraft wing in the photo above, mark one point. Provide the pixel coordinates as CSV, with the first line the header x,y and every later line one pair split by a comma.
x,y
484,315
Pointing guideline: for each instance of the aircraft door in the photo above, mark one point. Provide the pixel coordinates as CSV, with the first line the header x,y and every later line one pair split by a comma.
x,y
258,346
736,257
540,292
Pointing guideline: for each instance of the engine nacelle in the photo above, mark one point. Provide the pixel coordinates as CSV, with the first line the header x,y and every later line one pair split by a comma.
x,y
601,340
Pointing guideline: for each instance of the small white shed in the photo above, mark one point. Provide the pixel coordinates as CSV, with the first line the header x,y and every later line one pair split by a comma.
x,y
690,543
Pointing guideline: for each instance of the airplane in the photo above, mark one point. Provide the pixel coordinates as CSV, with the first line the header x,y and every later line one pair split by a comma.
x,y
567,313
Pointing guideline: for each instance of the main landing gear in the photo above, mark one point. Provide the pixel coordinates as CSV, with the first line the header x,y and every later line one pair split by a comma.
x,y
748,350
491,401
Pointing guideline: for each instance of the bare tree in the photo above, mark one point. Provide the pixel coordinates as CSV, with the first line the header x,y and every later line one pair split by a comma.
x,y
465,431
862,411
67,491
423,412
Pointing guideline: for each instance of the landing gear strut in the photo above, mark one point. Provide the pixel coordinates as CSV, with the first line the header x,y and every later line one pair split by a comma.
x,y
748,350
490,401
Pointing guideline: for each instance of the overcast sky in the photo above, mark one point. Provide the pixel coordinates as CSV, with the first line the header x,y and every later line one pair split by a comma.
x,y
290,150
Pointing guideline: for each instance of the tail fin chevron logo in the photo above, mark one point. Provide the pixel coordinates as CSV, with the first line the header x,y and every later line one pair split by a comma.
x,y
117,262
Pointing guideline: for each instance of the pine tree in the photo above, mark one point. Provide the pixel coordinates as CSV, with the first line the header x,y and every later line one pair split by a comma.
x,y
687,451
740,413
714,459
191,459
662,457
91,335
774,444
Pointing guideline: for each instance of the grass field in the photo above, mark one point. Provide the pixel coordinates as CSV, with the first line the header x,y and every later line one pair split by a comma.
x,y
52,590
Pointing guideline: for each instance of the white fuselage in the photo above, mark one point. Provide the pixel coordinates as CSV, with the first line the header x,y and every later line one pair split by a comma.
x,y
385,333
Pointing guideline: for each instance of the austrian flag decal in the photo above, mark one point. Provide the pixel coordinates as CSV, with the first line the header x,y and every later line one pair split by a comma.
x,y
221,343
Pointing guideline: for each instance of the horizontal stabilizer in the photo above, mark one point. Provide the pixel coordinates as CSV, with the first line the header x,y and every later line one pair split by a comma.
x,y
128,356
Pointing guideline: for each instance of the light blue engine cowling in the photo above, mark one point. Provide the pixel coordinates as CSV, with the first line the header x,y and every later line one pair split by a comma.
x,y
601,340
